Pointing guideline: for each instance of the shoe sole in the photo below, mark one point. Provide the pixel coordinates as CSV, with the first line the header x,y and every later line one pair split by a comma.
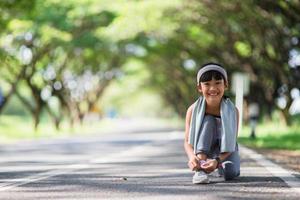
x,y
206,181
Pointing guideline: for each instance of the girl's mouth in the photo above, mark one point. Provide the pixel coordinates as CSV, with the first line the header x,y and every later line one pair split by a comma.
x,y
213,94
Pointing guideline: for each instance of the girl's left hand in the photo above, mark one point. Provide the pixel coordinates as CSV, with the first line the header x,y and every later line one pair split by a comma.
x,y
210,165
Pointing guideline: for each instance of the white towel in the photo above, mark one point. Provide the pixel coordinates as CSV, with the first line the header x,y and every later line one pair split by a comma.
x,y
229,124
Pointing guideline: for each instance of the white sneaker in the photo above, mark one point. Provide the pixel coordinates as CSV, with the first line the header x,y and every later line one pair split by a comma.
x,y
200,177
215,173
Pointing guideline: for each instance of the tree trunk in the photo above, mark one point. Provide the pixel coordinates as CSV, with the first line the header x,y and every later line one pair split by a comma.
x,y
286,117
55,119
13,88
36,118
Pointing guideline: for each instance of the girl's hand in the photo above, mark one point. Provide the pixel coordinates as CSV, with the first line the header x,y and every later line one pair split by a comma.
x,y
210,165
194,163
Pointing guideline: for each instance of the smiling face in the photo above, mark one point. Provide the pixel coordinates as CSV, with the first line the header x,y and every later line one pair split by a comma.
x,y
212,86
212,91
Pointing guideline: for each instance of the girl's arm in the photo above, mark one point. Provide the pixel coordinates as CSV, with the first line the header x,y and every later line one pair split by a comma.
x,y
193,160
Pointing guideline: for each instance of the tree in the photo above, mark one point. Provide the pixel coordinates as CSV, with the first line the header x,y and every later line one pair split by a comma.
x,y
250,37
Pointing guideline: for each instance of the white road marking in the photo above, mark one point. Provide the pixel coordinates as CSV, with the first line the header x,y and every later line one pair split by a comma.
x,y
277,171
30,179
132,154
65,169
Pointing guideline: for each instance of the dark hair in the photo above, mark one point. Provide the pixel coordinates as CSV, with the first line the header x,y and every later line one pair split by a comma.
x,y
212,74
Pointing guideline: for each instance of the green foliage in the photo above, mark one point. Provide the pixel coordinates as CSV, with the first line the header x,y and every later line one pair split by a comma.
x,y
243,48
271,51
273,135
249,37
15,108
135,17
203,38
132,96
101,37
14,9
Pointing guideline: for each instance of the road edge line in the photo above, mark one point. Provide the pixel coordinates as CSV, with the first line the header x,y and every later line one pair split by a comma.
x,y
284,174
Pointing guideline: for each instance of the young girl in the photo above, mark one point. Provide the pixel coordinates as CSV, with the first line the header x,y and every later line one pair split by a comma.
x,y
211,128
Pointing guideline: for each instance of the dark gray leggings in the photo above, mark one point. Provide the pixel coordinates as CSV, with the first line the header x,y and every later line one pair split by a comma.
x,y
209,144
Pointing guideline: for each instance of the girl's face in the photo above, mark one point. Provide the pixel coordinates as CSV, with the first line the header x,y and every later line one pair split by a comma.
x,y
212,91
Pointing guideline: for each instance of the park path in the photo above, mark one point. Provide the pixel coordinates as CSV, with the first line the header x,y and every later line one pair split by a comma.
x,y
140,164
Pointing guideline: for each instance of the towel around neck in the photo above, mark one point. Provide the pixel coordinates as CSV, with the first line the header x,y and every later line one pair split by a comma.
x,y
228,119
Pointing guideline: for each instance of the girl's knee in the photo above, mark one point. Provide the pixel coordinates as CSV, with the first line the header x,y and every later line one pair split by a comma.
x,y
230,171
229,175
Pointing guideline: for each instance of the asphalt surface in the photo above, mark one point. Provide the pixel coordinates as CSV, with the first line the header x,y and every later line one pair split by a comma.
x,y
137,165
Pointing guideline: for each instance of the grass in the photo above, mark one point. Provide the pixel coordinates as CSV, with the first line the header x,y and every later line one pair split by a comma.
x,y
272,136
15,128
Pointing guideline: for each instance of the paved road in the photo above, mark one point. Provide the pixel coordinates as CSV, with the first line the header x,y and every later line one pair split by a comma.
x,y
149,165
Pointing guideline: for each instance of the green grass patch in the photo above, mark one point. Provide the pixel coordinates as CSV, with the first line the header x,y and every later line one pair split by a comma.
x,y
272,136
16,128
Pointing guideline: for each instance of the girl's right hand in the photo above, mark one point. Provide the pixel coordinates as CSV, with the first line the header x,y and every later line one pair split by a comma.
x,y
193,163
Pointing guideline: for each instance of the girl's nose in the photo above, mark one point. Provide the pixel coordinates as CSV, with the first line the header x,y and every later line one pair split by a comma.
x,y
212,87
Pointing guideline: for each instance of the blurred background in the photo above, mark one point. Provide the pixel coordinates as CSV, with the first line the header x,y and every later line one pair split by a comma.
x,y
79,66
